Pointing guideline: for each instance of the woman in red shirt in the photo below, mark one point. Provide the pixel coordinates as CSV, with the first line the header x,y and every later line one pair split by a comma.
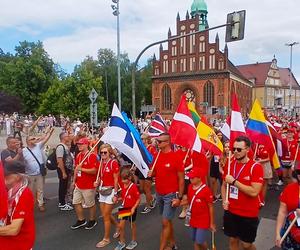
x,y
109,176
289,202
130,197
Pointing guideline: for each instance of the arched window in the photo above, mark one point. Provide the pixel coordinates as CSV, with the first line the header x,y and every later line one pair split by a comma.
x,y
209,93
166,92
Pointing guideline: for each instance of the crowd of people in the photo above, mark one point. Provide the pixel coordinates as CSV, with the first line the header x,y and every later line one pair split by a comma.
x,y
185,179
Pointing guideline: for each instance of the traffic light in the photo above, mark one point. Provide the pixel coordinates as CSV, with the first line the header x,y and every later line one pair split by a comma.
x,y
236,28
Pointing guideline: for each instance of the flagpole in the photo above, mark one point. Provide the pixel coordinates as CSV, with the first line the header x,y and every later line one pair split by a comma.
x,y
255,152
288,229
294,162
275,150
154,164
228,173
99,170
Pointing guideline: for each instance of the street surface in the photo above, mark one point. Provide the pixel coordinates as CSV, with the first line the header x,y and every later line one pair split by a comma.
x,y
53,226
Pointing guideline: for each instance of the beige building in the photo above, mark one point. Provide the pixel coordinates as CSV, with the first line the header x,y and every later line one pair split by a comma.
x,y
272,86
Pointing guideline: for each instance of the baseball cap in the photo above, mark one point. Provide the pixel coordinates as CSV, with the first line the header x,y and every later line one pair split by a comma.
x,y
83,141
14,167
195,173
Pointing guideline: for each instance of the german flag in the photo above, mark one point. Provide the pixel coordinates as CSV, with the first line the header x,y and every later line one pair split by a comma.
x,y
124,212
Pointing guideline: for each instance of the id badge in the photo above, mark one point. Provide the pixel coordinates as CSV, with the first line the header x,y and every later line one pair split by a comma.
x,y
216,158
233,192
79,173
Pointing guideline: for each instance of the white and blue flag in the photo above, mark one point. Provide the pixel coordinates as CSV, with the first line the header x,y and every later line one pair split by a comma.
x,y
120,136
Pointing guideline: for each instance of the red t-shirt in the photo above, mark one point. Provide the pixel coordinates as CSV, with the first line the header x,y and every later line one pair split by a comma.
x,y
200,217
166,172
262,153
245,205
24,210
86,181
290,196
289,153
199,160
131,197
107,172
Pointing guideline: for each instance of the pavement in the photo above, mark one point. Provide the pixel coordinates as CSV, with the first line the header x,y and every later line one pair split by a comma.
x,y
53,226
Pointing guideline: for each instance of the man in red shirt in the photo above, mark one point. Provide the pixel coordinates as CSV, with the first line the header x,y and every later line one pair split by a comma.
x,y
84,192
169,175
19,230
244,179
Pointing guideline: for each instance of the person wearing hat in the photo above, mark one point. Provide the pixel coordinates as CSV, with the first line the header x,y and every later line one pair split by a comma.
x,y
84,192
19,229
200,215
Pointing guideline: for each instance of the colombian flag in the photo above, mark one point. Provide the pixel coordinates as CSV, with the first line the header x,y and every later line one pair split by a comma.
x,y
258,131
208,137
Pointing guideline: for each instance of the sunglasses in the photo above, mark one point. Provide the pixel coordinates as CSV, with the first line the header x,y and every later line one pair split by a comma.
x,y
32,139
237,149
103,152
160,141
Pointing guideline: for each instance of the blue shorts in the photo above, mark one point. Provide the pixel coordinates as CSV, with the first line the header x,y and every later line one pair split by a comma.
x,y
199,235
165,205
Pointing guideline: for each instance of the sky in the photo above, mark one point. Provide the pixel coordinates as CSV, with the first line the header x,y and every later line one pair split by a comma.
x,y
72,29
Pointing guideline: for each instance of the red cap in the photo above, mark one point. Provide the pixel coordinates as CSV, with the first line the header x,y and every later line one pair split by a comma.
x,y
83,141
195,173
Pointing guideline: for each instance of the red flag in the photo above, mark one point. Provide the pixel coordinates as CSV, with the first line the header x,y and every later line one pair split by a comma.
x,y
237,126
182,130
3,196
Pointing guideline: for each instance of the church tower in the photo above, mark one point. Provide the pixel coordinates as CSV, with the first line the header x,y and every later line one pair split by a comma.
x,y
199,7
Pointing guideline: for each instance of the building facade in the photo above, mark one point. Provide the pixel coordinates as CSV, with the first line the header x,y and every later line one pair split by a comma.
x,y
276,88
196,67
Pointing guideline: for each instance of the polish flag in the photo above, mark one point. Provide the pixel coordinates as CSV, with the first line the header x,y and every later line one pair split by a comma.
x,y
182,130
225,130
237,126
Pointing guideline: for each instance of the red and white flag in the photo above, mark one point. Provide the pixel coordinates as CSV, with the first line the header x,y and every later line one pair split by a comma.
x,y
182,130
237,126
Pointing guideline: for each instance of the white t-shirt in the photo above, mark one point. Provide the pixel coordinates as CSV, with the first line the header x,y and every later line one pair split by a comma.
x,y
32,166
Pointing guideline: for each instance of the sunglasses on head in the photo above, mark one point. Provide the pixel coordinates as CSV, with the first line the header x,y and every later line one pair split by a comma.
x,y
103,152
237,149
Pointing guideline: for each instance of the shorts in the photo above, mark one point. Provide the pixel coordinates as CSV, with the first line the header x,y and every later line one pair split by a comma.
x,y
268,172
186,185
244,228
214,171
199,235
165,205
139,174
107,199
84,196
286,164
131,218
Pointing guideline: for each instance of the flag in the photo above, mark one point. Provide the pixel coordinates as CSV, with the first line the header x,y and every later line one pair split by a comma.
x,y
3,197
225,129
237,127
209,140
121,137
182,130
124,212
157,126
258,131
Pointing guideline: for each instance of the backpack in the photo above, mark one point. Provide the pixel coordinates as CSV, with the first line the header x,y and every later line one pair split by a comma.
x,y
51,162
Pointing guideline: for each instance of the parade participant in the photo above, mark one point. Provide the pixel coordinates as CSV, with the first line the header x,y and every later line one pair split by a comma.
x,y
262,156
109,176
64,170
35,167
84,192
169,174
200,216
289,203
225,157
130,197
19,230
146,183
13,152
244,178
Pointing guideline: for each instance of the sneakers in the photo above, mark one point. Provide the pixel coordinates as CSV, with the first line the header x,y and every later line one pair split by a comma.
x,y
153,203
182,215
79,224
280,183
120,246
146,210
132,244
65,207
215,199
91,224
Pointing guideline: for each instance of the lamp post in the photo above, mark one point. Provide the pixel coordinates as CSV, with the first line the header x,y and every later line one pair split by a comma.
x,y
290,73
116,13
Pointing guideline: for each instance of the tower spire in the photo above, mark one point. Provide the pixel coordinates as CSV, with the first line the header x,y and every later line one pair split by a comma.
x,y
199,7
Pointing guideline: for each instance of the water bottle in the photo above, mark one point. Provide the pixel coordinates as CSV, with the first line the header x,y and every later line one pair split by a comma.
x,y
187,218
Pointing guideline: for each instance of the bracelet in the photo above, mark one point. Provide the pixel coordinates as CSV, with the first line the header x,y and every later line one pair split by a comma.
x,y
233,182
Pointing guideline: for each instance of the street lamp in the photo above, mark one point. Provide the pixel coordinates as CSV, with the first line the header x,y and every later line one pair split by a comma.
x,y
116,12
290,74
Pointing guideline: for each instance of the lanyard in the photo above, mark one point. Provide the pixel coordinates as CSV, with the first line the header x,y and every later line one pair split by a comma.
x,y
126,194
199,189
239,173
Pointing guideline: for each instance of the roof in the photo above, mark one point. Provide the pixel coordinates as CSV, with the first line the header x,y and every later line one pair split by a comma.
x,y
285,77
257,71
235,70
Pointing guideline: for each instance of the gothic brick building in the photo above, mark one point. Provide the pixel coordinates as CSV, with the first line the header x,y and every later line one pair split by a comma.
x,y
196,67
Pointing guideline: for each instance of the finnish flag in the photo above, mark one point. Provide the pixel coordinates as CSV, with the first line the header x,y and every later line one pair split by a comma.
x,y
120,135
